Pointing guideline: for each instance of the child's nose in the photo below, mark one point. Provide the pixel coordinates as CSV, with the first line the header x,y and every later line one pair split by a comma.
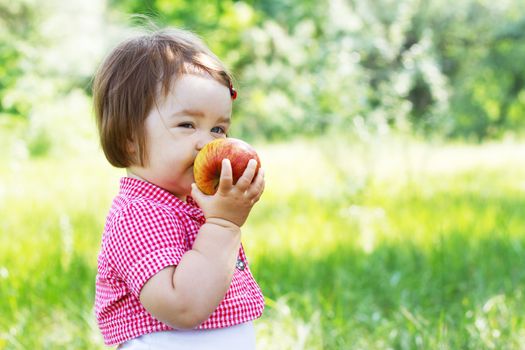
x,y
203,141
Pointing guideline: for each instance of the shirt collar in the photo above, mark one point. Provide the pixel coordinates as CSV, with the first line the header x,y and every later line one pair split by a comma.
x,y
142,189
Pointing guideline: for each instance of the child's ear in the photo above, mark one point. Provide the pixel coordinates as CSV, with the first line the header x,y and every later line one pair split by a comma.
x,y
131,149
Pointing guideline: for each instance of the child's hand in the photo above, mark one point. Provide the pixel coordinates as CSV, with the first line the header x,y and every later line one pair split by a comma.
x,y
232,202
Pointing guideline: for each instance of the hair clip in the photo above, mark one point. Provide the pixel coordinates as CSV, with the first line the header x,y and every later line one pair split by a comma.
x,y
233,92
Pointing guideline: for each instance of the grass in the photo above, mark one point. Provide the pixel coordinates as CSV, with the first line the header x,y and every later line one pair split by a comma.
x,y
393,245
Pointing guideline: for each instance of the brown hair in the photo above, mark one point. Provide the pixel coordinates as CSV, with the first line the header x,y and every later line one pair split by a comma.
x,y
131,78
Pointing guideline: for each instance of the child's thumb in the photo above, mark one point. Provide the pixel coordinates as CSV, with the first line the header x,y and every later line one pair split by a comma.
x,y
196,193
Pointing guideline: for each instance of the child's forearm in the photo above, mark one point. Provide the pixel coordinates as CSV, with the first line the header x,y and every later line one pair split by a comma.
x,y
204,273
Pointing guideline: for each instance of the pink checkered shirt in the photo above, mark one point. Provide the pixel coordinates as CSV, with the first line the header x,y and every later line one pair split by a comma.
x,y
148,229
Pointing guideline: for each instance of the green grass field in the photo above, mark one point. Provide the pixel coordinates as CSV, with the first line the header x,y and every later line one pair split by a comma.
x,y
394,245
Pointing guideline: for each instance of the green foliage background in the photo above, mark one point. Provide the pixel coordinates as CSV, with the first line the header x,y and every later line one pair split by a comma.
x,y
442,68
391,134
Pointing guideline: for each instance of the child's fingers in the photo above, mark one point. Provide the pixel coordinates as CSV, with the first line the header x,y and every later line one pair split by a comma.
x,y
196,194
257,187
246,178
226,180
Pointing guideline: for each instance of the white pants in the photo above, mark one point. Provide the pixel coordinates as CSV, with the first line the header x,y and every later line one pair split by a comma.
x,y
241,336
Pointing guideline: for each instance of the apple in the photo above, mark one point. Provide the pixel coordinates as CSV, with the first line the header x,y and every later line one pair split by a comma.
x,y
208,163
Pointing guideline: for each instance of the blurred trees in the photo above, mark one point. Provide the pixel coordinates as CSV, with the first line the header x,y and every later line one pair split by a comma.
x,y
48,52
17,33
437,68
442,67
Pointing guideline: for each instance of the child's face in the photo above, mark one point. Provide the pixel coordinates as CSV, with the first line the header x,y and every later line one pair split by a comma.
x,y
196,111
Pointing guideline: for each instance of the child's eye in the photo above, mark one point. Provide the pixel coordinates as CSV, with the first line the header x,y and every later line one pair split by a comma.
x,y
186,125
218,130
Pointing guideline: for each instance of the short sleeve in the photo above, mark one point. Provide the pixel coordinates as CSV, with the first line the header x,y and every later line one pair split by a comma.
x,y
142,240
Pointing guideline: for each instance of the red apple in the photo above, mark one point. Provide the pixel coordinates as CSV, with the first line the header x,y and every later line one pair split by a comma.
x,y
208,163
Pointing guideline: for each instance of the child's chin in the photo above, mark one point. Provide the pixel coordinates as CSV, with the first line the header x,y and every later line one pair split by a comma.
x,y
187,191
180,192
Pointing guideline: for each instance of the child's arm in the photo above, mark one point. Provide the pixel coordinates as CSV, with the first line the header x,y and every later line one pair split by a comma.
x,y
184,296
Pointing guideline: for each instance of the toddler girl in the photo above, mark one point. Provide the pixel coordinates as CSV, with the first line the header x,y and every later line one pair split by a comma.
x,y
172,273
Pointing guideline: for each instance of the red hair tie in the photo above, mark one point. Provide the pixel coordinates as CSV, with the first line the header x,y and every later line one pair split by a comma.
x,y
233,92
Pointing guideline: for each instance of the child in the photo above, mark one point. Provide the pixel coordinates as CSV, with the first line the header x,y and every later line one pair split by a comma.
x,y
172,273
